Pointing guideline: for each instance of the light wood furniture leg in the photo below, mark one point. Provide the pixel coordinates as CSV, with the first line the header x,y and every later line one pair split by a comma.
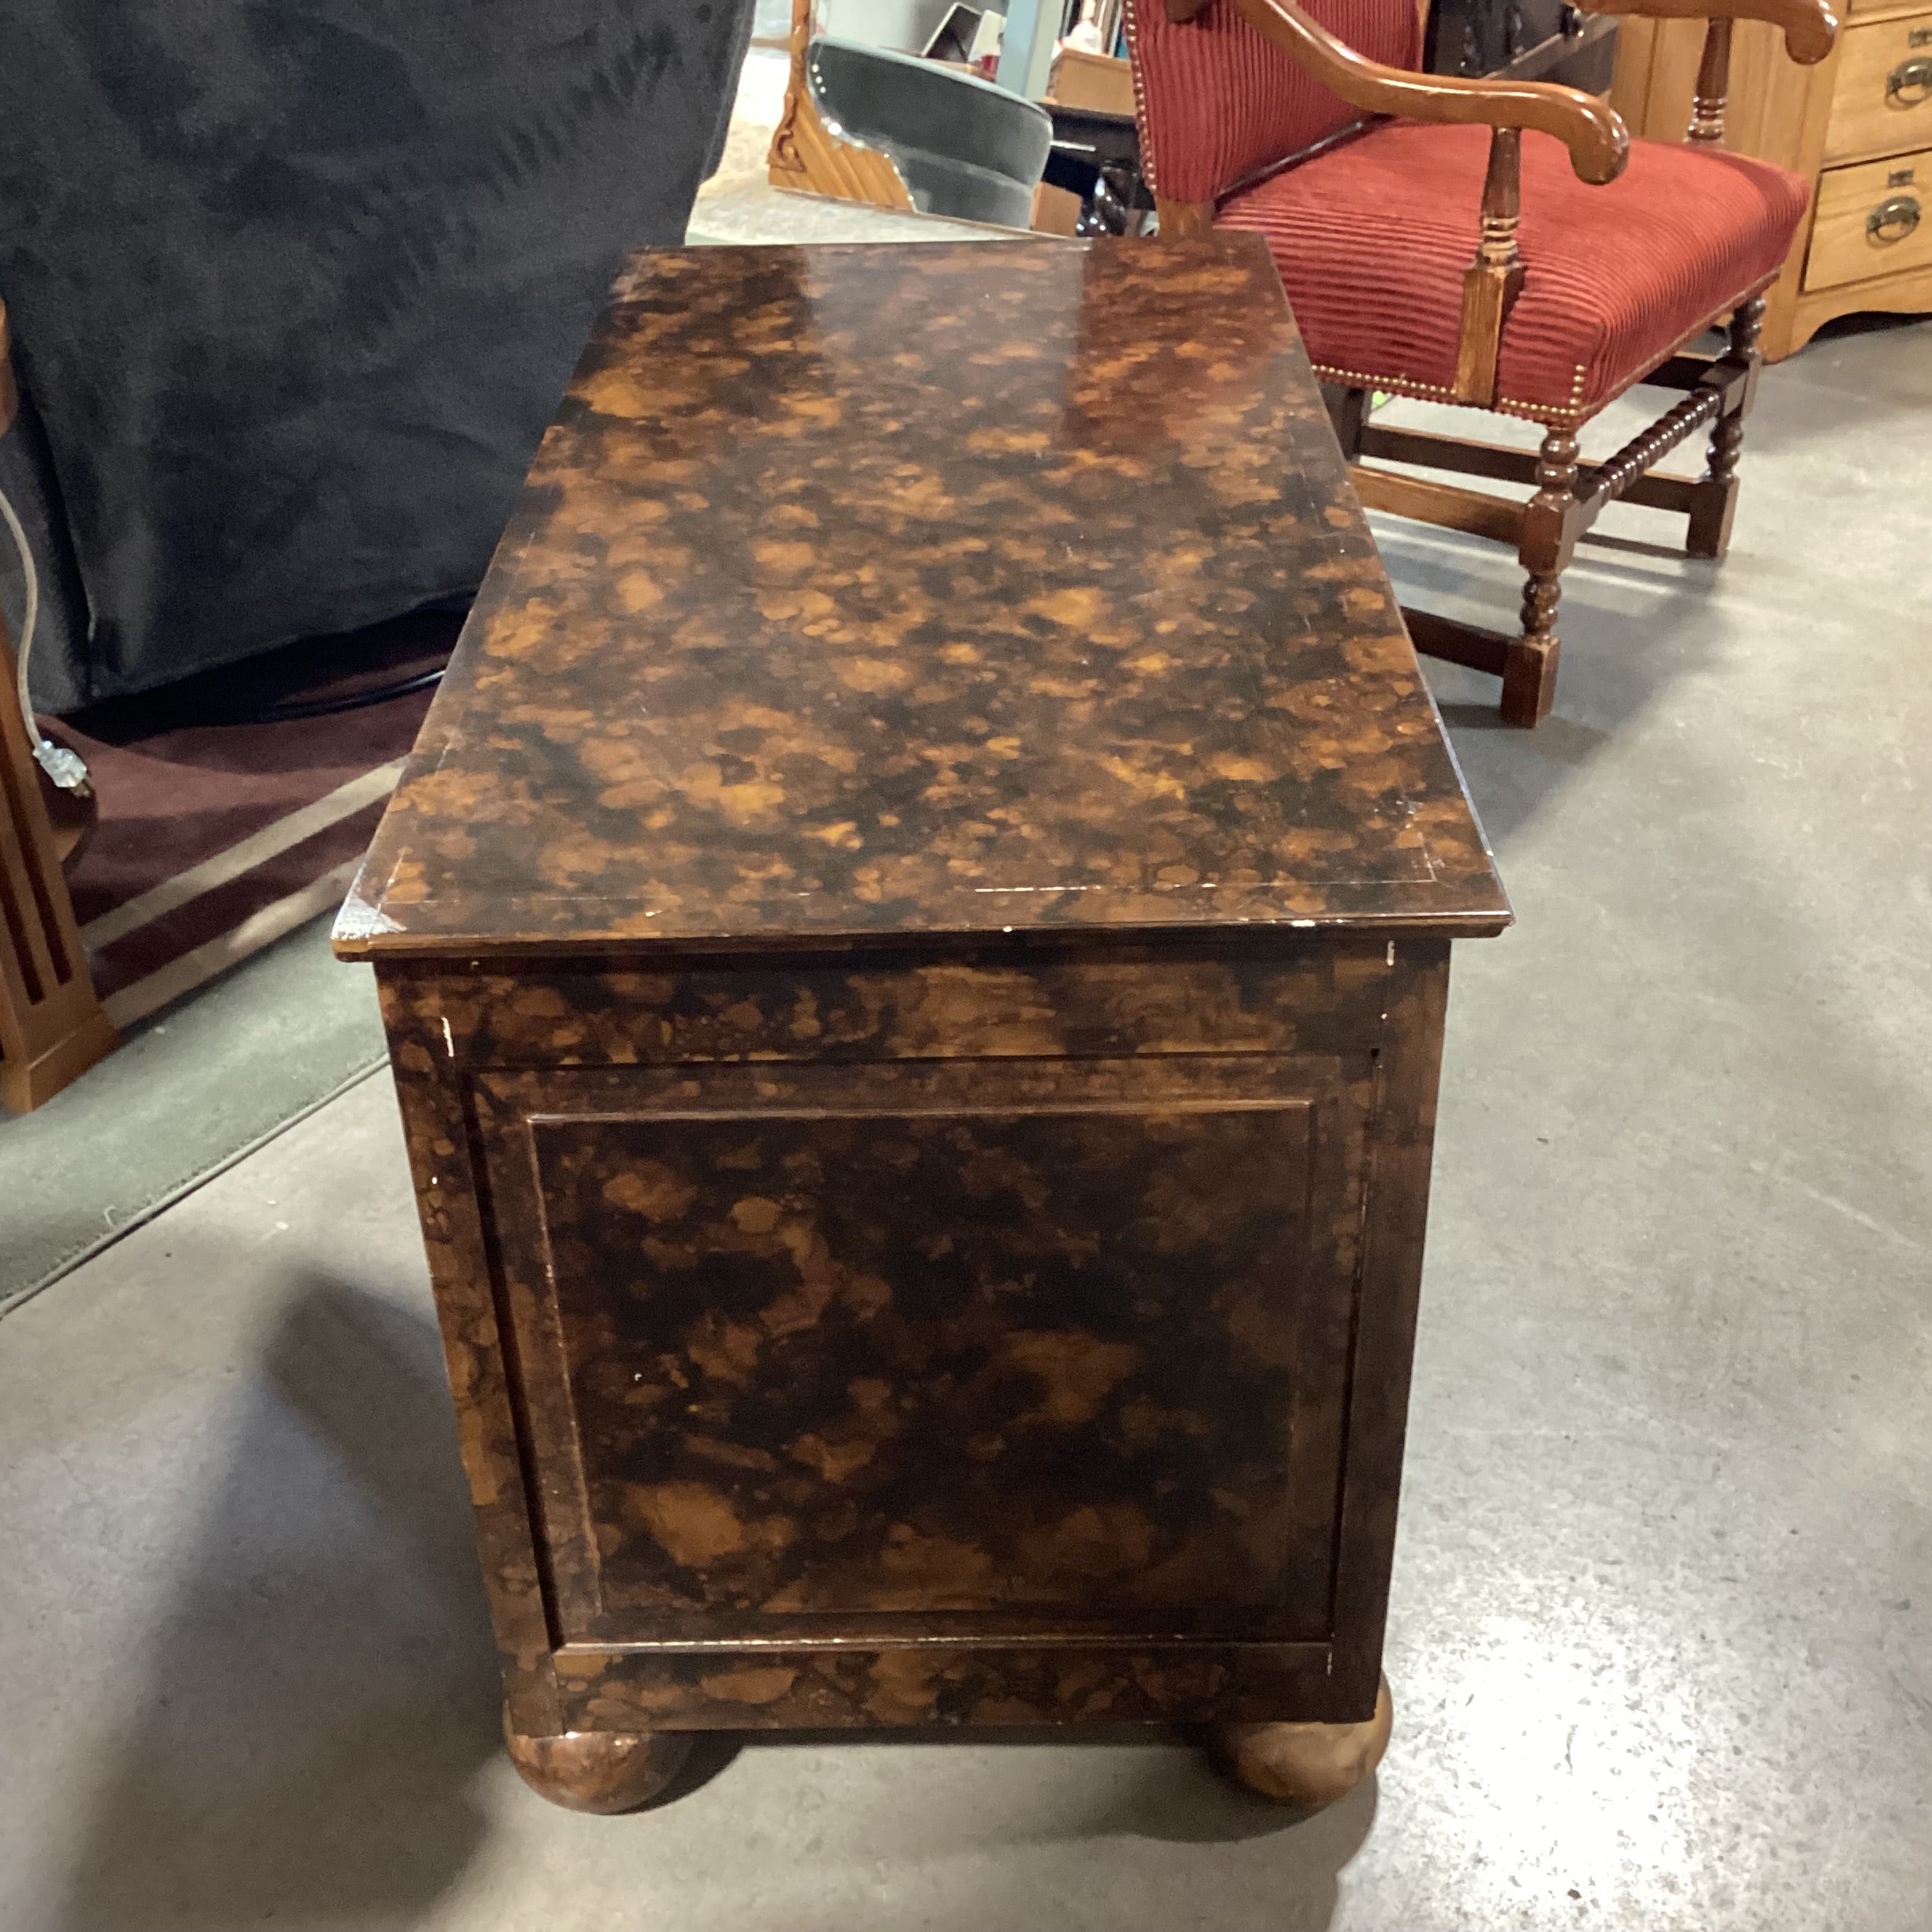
x,y
807,158
52,1026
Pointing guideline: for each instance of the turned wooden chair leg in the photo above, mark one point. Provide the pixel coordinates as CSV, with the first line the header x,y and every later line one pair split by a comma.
x,y
1715,502
1548,536
1348,412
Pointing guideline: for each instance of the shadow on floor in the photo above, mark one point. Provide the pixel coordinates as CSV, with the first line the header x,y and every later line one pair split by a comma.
x,y
1617,665
305,1730
1180,1801
1172,1797
304,1736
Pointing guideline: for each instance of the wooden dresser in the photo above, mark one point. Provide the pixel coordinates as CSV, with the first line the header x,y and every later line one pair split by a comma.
x,y
1858,126
914,945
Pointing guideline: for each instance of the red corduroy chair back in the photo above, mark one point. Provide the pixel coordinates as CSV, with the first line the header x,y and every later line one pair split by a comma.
x,y
1217,104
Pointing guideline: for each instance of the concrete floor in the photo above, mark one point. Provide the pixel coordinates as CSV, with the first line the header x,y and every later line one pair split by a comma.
x,y
1664,1589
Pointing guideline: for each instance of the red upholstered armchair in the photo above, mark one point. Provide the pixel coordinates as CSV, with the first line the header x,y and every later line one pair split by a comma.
x,y
1539,269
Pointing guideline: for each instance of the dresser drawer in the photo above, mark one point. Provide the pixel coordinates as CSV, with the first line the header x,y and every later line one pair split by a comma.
x,y
1871,221
1882,90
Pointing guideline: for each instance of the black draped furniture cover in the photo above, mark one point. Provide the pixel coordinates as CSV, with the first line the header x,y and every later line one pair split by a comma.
x,y
295,289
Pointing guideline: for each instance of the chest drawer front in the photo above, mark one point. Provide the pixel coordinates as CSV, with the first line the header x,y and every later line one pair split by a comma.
x,y
1881,89
1874,220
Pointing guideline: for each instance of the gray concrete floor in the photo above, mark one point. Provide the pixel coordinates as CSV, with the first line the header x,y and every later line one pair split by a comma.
x,y
184,1093
1659,1635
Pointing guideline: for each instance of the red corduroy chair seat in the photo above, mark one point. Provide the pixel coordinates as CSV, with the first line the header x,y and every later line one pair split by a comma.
x,y
1495,243
1372,237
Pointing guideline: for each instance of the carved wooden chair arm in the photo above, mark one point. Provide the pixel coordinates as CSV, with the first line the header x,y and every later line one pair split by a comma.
x,y
1592,131
1811,31
1811,28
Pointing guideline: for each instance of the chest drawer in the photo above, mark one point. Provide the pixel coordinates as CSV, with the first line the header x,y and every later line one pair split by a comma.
x,y
1871,221
1881,91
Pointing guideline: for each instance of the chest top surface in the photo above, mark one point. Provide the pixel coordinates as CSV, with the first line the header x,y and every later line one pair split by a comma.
x,y
867,592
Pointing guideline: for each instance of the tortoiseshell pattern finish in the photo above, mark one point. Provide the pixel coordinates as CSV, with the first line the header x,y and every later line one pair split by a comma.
x,y
1026,1338
914,948
996,1340
876,590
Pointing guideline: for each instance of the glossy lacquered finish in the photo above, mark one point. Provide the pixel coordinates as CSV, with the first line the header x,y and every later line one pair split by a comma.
x,y
875,592
603,1772
914,950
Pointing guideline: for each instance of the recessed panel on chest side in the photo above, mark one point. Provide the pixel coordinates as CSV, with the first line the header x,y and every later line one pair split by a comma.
x,y
997,1340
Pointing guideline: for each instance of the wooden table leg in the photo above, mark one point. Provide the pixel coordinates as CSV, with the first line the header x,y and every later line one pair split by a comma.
x,y
52,1026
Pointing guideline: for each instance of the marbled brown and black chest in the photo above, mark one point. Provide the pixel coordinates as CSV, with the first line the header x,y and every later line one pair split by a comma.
x,y
914,945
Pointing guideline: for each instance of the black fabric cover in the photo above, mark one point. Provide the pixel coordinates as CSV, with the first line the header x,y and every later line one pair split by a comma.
x,y
295,286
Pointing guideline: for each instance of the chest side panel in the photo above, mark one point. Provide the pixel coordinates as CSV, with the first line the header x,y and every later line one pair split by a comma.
x,y
990,1339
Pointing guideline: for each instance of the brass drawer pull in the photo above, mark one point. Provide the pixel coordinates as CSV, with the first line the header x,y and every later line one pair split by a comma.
x,y
1893,220
1910,83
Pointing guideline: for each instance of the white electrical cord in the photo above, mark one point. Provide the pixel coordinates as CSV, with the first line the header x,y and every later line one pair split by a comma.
x,y
63,767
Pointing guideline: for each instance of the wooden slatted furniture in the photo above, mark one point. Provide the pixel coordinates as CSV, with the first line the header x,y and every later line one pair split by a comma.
x,y
1858,126
914,945
1539,270
52,1027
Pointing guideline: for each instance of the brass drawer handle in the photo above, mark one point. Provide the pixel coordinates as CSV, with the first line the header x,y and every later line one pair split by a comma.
x,y
1909,82
1893,220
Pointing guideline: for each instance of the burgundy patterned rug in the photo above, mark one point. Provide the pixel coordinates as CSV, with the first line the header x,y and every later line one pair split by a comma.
x,y
235,805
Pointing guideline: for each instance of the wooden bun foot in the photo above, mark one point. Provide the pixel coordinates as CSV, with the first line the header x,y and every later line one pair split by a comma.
x,y
601,1771
1308,1764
